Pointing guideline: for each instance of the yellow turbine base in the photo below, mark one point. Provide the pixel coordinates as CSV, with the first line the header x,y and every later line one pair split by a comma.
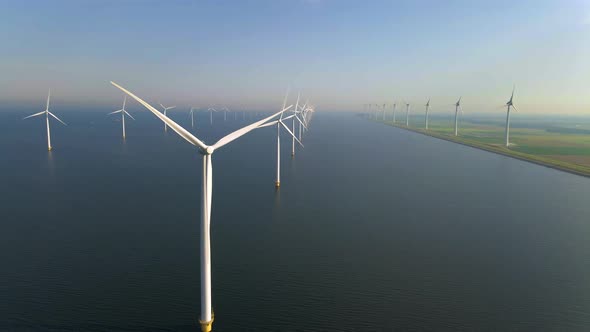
x,y
277,184
207,326
49,148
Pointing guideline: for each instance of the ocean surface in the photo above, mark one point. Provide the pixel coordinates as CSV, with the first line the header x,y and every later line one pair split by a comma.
x,y
374,228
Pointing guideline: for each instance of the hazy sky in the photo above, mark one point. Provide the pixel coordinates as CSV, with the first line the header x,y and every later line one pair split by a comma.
x,y
339,53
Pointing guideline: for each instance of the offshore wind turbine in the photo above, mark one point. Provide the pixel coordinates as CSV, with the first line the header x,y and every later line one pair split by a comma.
x,y
457,108
280,123
123,112
165,110
191,113
47,114
509,105
394,109
211,110
225,110
206,318
426,117
296,117
407,114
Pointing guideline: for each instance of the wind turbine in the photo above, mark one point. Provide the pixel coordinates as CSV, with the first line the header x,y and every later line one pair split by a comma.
x,y
394,107
191,113
123,112
407,114
457,108
166,109
206,318
427,109
47,114
293,126
280,123
211,110
225,110
509,105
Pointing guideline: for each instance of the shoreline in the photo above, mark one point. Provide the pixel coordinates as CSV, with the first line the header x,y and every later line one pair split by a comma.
x,y
498,150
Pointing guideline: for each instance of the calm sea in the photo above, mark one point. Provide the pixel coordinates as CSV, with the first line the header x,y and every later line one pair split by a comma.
x,y
373,229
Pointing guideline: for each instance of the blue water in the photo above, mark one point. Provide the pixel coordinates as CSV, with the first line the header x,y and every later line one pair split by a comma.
x,y
373,229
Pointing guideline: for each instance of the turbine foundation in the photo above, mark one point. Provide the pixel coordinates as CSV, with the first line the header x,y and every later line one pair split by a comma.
x,y
207,326
277,184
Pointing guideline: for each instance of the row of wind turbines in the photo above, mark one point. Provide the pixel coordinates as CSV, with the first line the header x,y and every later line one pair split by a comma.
x,y
301,116
382,109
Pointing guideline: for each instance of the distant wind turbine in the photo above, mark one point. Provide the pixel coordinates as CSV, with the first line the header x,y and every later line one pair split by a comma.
x,y
123,112
394,109
427,109
206,318
509,105
457,108
47,114
280,123
407,114
211,110
225,110
192,114
165,110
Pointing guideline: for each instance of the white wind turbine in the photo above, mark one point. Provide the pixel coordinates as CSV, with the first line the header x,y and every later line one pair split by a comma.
x,y
47,114
123,112
427,109
192,115
225,110
165,110
509,105
394,109
211,110
206,318
407,114
280,123
293,126
457,109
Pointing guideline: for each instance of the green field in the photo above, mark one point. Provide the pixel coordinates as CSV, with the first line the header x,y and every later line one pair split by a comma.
x,y
560,144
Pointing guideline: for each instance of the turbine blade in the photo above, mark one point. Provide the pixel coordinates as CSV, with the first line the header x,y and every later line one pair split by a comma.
x,y
177,128
243,131
514,108
129,115
48,97
115,112
53,115
36,114
288,117
268,124
303,124
290,132
171,107
124,101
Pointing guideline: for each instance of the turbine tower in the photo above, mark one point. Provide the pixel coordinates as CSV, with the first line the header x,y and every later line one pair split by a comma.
x,y
457,108
206,318
47,114
407,114
427,109
123,112
509,105
165,110
394,108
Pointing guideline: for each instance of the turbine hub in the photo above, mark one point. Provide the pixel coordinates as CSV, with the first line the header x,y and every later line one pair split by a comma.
x,y
210,150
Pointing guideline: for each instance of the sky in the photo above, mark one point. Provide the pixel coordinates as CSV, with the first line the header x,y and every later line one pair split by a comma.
x,y
340,54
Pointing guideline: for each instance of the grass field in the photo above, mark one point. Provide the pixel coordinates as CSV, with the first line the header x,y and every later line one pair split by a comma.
x,y
562,144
